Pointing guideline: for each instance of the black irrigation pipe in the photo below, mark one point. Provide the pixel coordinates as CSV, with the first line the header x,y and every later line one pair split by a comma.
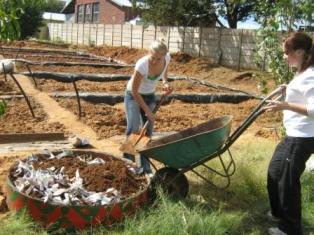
x,y
77,98
25,96
62,57
73,64
40,50
30,72
109,98
4,72
65,52
215,86
67,77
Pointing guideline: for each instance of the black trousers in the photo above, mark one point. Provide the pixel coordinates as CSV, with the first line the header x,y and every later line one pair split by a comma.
x,y
283,181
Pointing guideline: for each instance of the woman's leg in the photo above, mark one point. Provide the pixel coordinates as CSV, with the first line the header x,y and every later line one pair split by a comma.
x,y
273,176
151,102
133,118
290,186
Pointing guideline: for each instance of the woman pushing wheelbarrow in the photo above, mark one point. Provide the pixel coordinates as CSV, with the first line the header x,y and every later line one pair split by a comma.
x,y
291,154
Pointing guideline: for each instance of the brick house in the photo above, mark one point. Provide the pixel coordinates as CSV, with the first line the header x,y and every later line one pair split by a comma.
x,y
100,11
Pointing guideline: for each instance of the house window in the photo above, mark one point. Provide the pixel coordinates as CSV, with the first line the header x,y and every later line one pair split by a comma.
x,y
88,13
96,12
80,14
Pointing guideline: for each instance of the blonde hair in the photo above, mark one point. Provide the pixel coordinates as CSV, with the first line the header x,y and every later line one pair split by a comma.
x,y
159,46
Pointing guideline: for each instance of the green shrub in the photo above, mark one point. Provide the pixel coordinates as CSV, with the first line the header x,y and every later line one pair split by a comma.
x,y
3,107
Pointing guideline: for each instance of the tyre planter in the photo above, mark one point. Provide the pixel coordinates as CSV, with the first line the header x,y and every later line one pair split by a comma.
x,y
73,217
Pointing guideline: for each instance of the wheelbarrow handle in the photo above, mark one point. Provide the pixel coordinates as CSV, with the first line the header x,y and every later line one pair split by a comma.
x,y
251,118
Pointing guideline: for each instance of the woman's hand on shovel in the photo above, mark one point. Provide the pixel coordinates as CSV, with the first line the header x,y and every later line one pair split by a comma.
x,y
167,88
151,117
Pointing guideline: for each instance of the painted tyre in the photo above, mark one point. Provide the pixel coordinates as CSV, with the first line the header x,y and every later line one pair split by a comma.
x,y
71,218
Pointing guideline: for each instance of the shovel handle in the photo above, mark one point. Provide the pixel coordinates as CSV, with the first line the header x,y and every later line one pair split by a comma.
x,y
144,128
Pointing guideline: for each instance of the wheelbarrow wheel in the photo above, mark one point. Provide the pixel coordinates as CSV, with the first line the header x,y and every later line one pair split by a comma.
x,y
174,184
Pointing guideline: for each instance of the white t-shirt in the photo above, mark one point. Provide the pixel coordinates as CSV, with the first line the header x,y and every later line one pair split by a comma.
x,y
300,91
148,84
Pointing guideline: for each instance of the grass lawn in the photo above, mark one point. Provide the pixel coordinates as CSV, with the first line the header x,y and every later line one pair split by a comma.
x,y
239,209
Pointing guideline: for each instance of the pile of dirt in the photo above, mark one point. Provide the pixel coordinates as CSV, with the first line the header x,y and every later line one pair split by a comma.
x,y
18,119
128,55
114,173
181,57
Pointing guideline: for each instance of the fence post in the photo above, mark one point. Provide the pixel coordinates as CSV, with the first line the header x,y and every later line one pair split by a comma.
x,y
131,35
200,42
71,33
57,33
112,31
66,32
183,39
155,32
89,34
168,39
121,34
96,35
83,33
240,51
142,36
219,46
104,35
77,33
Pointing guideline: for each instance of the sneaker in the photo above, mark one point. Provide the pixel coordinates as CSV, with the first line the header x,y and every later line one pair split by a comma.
x,y
276,231
272,218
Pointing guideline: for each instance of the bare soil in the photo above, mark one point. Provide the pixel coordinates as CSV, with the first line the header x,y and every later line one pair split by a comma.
x,y
18,119
109,121
98,177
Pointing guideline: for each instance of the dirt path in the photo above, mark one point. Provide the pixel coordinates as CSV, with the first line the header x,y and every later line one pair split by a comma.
x,y
58,114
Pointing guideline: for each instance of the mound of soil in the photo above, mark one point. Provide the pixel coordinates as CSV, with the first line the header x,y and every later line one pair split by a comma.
x,y
128,55
18,119
181,57
114,173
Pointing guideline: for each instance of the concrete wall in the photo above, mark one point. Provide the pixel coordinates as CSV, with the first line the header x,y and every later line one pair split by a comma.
x,y
229,47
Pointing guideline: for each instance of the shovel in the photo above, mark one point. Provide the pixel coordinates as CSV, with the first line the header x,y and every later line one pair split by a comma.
x,y
138,140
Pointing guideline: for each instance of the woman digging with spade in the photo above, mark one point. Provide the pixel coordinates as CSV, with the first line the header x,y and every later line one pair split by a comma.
x,y
291,154
140,99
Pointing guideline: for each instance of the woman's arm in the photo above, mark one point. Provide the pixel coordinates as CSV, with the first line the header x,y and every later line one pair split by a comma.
x,y
166,86
137,78
283,105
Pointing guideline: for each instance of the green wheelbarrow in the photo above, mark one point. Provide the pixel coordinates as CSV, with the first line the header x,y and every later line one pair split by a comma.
x,y
186,150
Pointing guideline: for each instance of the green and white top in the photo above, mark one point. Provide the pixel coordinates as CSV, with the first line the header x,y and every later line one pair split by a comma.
x,y
148,84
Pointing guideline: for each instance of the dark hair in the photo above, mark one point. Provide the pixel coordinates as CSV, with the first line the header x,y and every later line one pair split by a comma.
x,y
301,41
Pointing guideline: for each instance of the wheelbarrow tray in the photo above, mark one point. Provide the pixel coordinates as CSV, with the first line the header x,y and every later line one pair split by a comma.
x,y
187,147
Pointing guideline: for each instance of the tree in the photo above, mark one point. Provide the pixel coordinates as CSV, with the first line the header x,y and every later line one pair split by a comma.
x,y
53,5
25,14
234,11
277,20
176,12
9,23
31,19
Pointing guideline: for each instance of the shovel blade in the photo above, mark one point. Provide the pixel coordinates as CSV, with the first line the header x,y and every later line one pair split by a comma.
x,y
133,143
